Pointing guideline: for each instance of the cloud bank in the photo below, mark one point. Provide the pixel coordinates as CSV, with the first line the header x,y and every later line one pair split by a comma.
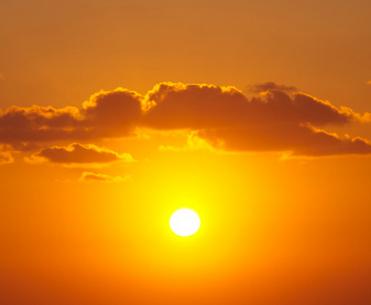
x,y
273,118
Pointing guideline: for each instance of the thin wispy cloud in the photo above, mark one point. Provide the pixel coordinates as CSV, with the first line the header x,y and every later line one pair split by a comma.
x,y
99,177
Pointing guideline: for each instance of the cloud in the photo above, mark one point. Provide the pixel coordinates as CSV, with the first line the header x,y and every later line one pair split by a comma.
x,y
104,115
38,124
176,105
98,177
270,86
300,140
274,118
179,106
81,154
193,143
278,119
6,157
112,114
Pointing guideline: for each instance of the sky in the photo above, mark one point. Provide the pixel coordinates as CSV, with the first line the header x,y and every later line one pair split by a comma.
x,y
114,114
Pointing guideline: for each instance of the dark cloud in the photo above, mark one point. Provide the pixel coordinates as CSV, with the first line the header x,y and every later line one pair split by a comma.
x,y
278,119
77,153
104,115
112,114
177,105
38,124
275,118
299,140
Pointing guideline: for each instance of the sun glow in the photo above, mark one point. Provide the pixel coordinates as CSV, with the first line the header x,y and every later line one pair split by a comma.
x,y
185,222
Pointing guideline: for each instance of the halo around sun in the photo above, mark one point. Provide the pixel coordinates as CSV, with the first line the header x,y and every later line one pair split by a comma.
x,y
185,222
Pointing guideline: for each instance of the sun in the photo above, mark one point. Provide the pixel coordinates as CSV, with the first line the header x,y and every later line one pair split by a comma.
x,y
185,222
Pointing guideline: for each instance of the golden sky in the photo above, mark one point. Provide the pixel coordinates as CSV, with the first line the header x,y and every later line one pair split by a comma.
x,y
255,114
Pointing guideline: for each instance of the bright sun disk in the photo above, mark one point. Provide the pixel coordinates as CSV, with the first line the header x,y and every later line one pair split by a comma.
x,y
185,222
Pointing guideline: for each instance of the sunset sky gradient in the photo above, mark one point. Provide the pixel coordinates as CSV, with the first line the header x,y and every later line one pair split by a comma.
x,y
255,114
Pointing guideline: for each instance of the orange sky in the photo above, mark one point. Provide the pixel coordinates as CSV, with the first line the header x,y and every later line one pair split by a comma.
x,y
256,114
